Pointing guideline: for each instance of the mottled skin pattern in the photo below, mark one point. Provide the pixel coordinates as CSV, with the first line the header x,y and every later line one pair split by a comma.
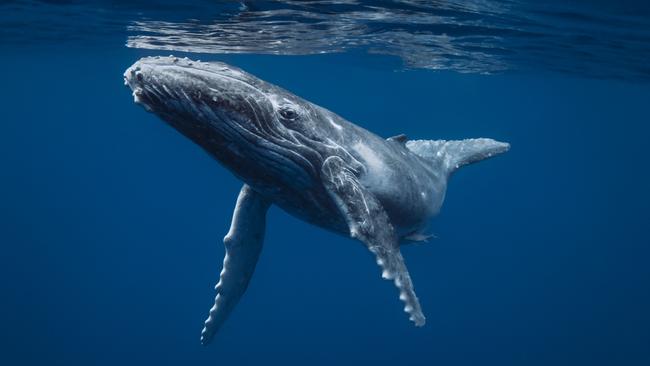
x,y
307,160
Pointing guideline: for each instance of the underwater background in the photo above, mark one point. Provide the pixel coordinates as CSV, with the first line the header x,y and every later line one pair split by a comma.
x,y
111,222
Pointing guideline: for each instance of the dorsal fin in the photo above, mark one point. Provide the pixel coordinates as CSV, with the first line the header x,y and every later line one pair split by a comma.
x,y
456,153
401,138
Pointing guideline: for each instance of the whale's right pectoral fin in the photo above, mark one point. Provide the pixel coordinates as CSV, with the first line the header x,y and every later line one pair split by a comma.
x,y
369,223
243,246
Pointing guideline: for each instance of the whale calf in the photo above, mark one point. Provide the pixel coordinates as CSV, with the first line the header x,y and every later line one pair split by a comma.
x,y
305,159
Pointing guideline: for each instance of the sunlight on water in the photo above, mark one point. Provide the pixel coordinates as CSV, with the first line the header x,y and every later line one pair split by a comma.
x,y
435,35
464,36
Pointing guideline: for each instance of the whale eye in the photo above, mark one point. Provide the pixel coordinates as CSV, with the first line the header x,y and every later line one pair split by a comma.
x,y
288,113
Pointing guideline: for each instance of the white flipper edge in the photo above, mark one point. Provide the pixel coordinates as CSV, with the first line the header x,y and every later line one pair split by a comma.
x,y
369,223
243,246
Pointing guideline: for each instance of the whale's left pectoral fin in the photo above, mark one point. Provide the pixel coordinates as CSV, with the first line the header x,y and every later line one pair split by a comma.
x,y
243,246
369,223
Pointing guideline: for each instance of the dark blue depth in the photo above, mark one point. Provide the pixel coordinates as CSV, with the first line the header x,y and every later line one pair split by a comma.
x,y
111,222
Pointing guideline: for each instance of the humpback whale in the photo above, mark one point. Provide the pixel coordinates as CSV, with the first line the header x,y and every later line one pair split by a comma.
x,y
305,159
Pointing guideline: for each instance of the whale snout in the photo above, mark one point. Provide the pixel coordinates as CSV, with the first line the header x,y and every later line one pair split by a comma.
x,y
134,79
203,98
158,82
150,80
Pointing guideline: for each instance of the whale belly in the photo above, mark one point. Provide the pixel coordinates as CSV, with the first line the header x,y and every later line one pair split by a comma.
x,y
312,205
409,203
404,187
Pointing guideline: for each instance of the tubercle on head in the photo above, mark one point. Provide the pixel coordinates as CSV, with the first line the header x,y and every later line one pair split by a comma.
x,y
172,60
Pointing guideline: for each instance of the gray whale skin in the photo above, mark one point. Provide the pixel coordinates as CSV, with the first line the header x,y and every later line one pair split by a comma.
x,y
305,159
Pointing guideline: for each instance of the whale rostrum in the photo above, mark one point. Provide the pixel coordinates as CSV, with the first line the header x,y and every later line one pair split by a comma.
x,y
305,159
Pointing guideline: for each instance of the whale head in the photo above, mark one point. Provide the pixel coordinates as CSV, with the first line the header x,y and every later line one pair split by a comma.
x,y
190,94
251,126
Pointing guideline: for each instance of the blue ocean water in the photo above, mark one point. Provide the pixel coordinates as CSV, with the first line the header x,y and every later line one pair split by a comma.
x,y
111,222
